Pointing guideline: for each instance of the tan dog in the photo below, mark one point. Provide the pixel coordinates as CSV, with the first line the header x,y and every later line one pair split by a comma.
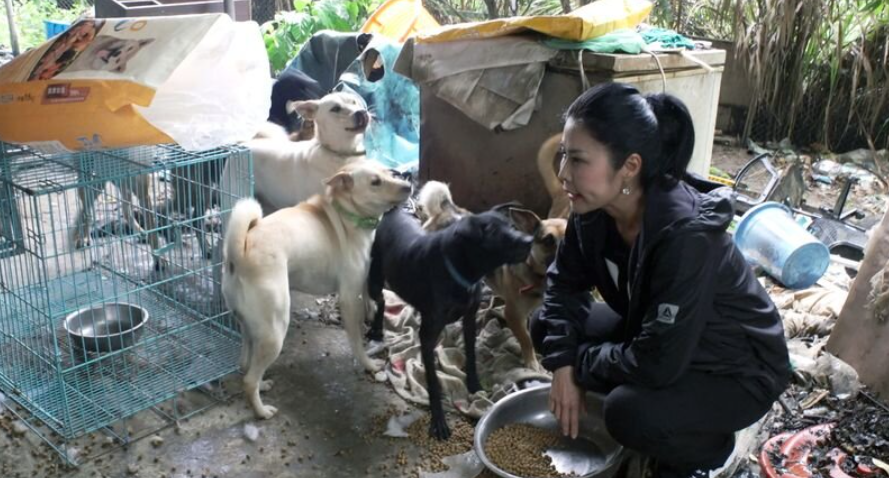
x,y
287,172
521,286
320,246
436,207
549,159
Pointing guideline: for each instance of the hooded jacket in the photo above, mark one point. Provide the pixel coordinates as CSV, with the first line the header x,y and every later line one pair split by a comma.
x,y
690,301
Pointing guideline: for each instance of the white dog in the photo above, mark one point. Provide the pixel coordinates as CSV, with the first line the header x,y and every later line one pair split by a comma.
x,y
320,246
287,172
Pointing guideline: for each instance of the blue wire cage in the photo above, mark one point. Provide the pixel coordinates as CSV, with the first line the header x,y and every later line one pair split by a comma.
x,y
110,302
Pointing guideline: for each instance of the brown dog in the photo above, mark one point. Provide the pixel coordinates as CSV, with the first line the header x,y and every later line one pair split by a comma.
x,y
521,285
549,159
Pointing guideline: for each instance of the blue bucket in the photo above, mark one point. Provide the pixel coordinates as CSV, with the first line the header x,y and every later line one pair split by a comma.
x,y
54,28
767,235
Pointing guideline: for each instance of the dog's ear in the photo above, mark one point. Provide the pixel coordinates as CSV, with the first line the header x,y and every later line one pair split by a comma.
x,y
307,109
525,220
341,181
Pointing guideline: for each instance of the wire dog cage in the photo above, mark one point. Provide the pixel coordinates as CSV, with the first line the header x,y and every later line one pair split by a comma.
x,y
109,301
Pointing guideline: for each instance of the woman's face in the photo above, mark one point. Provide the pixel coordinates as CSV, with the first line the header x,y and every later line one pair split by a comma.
x,y
586,172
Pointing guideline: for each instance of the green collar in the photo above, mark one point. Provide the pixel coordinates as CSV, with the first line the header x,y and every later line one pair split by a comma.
x,y
362,222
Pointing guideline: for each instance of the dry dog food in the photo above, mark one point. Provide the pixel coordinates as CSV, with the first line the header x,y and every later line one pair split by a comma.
x,y
519,449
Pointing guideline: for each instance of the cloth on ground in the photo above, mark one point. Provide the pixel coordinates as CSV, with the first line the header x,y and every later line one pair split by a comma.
x,y
810,312
499,360
493,81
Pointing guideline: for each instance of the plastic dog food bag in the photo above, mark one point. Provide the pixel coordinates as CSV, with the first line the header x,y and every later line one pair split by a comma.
x,y
198,80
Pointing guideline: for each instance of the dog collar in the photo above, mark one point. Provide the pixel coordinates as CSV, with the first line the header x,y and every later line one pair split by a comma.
x,y
362,222
347,154
455,274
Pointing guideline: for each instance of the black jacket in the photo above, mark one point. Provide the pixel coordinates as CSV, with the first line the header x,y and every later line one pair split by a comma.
x,y
694,303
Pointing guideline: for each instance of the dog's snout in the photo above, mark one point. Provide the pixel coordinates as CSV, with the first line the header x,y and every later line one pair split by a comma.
x,y
361,118
406,189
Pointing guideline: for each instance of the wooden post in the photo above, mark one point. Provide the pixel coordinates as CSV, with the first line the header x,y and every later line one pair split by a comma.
x,y
13,34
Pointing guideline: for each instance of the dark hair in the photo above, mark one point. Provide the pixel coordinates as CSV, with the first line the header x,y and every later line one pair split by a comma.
x,y
657,127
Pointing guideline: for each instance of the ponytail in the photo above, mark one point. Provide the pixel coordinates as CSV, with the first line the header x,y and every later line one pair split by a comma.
x,y
677,135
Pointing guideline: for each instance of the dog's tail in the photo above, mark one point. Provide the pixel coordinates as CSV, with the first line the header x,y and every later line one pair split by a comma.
x,y
270,130
245,215
548,166
435,198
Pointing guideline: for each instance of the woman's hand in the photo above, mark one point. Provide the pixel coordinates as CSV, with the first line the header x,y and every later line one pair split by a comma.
x,y
566,401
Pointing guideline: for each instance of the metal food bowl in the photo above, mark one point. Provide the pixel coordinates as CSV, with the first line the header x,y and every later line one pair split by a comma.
x,y
593,454
106,327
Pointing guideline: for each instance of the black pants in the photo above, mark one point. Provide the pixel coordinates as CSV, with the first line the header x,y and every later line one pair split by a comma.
x,y
686,426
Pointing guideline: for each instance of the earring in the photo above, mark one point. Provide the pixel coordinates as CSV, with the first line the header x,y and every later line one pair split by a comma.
x,y
625,191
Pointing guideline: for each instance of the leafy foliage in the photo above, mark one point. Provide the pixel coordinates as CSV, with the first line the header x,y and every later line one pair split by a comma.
x,y
287,33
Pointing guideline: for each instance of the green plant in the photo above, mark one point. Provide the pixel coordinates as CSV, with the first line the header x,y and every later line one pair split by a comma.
x,y
818,69
29,16
287,33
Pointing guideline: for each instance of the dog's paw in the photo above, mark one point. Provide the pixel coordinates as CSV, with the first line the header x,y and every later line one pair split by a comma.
x,y
266,385
373,365
81,241
534,365
473,385
438,429
265,412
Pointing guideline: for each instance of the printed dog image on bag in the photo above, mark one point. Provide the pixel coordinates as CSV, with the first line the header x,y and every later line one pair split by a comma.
x,y
66,48
108,53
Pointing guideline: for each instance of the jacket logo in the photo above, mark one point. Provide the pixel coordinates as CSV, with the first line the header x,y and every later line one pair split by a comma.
x,y
666,313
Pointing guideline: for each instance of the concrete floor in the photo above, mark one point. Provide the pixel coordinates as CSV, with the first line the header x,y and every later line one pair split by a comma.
x,y
330,422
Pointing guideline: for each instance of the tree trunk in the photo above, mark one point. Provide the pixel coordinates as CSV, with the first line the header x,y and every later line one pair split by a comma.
x,y
13,34
566,6
492,9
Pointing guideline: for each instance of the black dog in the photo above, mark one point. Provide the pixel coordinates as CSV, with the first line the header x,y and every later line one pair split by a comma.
x,y
439,274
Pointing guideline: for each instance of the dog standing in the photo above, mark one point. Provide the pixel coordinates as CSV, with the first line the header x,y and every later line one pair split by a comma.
x,y
286,172
320,246
521,286
439,274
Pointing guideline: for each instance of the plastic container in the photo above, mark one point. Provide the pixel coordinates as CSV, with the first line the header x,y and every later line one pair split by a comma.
x,y
399,19
768,235
54,28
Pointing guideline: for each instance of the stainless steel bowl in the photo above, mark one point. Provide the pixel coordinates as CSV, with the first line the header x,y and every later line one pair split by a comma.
x,y
106,327
593,454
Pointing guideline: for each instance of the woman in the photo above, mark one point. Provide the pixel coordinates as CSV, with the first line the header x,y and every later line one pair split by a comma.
x,y
688,347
